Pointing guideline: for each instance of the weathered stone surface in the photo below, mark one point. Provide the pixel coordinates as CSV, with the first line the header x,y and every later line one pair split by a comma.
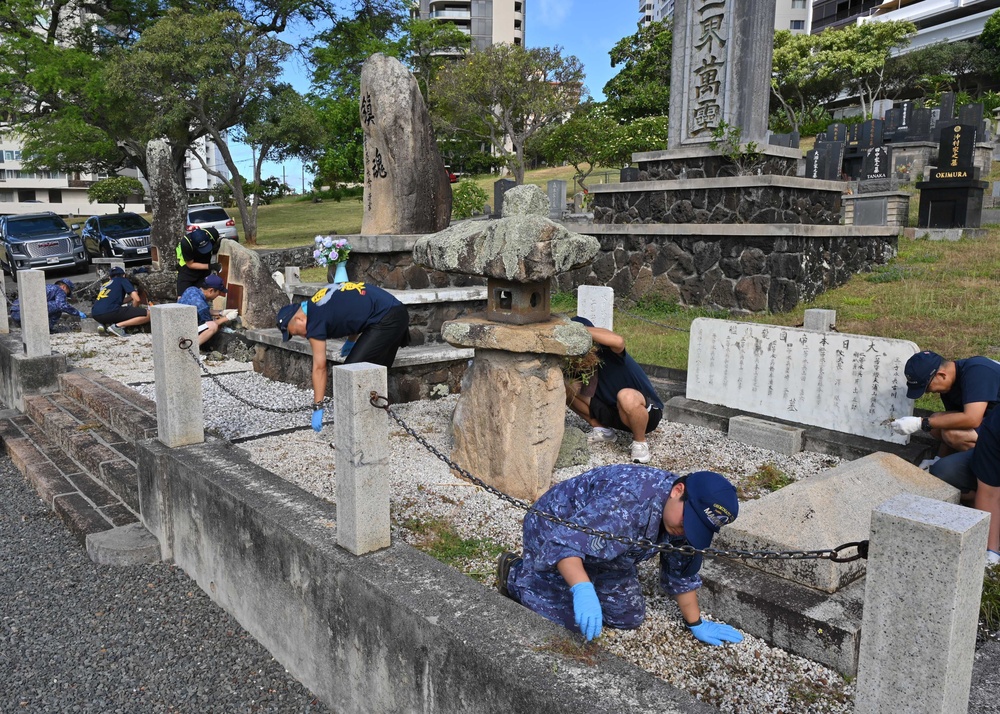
x,y
824,511
525,200
556,336
574,450
261,296
508,425
406,186
523,249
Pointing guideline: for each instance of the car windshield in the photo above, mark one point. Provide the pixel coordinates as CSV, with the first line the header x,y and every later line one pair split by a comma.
x,y
208,215
36,225
123,222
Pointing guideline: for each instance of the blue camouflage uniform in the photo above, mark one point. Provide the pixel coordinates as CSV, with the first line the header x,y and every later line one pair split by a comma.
x,y
623,499
57,305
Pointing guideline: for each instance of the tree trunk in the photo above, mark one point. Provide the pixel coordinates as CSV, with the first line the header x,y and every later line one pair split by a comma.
x,y
168,194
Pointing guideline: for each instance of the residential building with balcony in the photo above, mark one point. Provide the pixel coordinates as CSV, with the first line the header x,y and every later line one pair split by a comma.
x,y
487,22
937,21
794,15
827,14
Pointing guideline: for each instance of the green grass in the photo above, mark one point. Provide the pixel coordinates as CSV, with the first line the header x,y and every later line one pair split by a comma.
x,y
438,538
766,479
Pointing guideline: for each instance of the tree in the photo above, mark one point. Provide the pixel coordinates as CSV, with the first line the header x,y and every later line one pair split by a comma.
x,y
800,80
860,52
989,40
116,189
506,93
427,46
642,86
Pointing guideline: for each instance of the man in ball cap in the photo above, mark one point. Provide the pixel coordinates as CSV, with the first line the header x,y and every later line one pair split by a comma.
x,y
584,581
56,298
201,297
194,257
116,306
341,309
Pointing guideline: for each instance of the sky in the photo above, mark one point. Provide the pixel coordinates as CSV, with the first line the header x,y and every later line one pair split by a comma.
x,y
587,29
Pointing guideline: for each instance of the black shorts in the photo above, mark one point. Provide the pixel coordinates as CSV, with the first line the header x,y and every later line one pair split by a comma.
x,y
608,416
379,343
120,315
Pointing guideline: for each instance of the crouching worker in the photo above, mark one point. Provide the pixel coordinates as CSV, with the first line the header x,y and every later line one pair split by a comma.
x,y
117,305
584,582
56,295
343,309
201,298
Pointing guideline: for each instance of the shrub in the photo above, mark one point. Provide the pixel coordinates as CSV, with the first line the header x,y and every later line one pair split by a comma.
x,y
467,199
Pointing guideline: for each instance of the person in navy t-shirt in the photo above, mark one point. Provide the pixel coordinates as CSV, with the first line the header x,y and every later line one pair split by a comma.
x,y
117,305
623,397
340,310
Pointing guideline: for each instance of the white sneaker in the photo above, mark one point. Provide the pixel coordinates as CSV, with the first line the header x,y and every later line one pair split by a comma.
x,y
602,434
992,558
640,452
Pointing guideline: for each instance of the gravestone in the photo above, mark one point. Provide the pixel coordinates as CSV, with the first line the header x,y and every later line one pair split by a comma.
x,y
628,174
790,140
920,125
501,187
853,134
880,107
957,149
972,115
893,117
849,383
870,134
556,190
406,186
953,195
834,132
875,174
905,113
947,106
825,161
718,61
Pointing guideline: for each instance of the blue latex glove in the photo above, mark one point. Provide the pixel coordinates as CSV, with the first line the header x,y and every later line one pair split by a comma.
x,y
82,314
317,420
346,349
587,609
715,633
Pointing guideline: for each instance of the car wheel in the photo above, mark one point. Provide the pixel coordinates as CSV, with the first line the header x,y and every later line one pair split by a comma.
x,y
106,251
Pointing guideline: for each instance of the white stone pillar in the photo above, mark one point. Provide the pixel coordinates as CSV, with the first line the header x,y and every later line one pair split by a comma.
x,y
361,434
4,320
292,278
924,583
597,304
822,320
34,313
180,413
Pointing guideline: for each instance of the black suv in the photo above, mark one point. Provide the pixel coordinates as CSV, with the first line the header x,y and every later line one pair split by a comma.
x,y
119,235
39,240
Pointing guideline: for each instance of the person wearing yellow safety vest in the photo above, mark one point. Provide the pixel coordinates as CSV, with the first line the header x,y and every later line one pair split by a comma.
x,y
194,255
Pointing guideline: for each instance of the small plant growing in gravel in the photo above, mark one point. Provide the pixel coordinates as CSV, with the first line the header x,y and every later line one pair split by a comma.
x,y
439,539
765,479
989,608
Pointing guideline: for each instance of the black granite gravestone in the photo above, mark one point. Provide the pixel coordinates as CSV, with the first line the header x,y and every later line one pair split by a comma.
x,y
825,161
853,132
957,150
947,106
953,197
870,134
972,115
891,124
629,174
499,189
877,164
920,125
790,140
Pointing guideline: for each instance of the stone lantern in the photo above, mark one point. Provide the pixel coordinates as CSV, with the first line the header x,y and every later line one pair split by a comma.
x,y
508,425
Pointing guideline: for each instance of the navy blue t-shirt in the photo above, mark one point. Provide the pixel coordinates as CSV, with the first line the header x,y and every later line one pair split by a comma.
x,y
346,309
618,372
112,296
977,379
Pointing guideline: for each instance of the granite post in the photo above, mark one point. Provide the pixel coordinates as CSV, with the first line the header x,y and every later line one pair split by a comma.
x,y
821,320
4,320
180,416
361,433
918,633
34,313
597,304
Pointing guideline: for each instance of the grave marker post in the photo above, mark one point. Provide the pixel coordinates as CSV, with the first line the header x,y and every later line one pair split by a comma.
x,y
180,414
34,313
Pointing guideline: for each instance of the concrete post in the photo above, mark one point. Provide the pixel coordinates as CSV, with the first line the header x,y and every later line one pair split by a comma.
x,y
361,433
180,414
292,277
924,583
822,320
556,190
34,313
597,304
4,320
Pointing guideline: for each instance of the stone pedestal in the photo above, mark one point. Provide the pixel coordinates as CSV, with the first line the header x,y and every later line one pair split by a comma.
x,y
885,208
951,204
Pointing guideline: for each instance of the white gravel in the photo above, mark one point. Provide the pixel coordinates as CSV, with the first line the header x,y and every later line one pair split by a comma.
x,y
748,678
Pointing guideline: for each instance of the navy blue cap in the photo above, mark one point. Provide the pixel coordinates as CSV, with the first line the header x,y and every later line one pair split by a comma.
x,y
711,503
201,241
285,315
920,370
117,272
68,283
582,320
215,282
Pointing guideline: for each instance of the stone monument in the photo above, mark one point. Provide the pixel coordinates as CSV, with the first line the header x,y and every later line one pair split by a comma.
x,y
406,186
953,197
508,425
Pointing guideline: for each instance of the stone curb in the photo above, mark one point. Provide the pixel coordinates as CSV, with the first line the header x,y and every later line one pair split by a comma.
x,y
123,546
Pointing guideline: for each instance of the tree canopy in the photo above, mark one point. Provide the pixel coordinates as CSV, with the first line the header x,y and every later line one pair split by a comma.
x,y
115,189
642,86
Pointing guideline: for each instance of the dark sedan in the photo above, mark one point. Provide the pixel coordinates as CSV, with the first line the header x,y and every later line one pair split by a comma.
x,y
118,235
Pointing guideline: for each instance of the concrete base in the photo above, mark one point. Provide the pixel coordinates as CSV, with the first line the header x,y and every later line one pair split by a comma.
x,y
766,434
820,626
128,545
22,376
952,234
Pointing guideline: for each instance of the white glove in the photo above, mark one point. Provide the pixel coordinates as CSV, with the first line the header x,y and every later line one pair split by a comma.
x,y
927,463
906,425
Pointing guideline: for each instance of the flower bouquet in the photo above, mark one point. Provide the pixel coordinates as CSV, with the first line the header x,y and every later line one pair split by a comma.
x,y
329,251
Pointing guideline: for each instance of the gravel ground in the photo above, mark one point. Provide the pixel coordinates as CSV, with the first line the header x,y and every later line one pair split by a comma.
x,y
749,678
80,637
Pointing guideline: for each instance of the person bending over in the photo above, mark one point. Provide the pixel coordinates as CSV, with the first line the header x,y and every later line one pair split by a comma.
x,y
57,296
117,305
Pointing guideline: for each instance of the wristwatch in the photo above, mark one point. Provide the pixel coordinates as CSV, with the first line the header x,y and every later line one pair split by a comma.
x,y
925,424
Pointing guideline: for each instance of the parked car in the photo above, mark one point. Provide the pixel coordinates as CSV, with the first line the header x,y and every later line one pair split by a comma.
x,y
211,215
118,235
39,240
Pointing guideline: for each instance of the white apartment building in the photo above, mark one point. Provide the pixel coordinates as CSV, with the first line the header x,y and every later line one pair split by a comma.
x,y
487,22
794,15
936,20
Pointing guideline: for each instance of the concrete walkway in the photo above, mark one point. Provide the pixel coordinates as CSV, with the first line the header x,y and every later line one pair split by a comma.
x,y
75,636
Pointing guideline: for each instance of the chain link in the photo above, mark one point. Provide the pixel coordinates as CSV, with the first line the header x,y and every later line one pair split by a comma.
x,y
186,344
833,554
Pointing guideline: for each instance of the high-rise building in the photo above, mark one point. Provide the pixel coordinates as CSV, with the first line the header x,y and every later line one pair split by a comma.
x,y
937,21
488,22
837,13
794,15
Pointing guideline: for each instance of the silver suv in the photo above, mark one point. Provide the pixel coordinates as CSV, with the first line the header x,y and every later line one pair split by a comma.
x,y
211,215
39,240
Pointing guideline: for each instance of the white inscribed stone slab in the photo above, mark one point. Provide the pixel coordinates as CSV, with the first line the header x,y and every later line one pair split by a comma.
x,y
848,383
597,304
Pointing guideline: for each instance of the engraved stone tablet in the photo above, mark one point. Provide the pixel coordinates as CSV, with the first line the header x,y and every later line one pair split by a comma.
x,y
848,383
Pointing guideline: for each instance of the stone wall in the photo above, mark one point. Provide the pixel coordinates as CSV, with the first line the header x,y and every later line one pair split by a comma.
x,y
738,268
669,169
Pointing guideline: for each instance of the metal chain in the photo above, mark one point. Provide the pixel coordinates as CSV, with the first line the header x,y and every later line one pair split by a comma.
x,y
185,344
833,554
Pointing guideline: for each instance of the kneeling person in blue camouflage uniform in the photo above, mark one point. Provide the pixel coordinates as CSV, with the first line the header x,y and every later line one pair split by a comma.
x,y
584,582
